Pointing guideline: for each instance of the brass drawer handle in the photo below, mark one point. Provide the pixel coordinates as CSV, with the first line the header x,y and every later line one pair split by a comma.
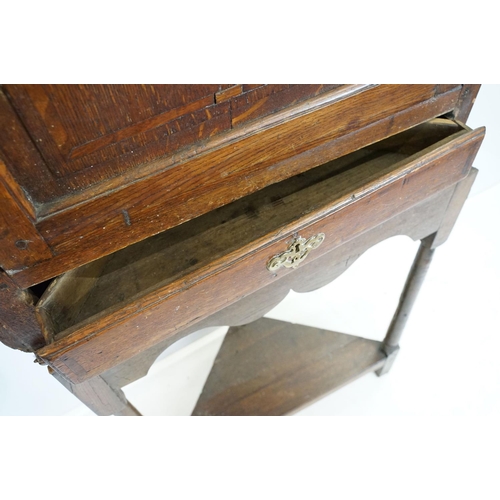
x,y
297,251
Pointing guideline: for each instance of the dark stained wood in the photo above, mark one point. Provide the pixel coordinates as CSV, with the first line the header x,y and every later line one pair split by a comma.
x,y
200,147
19,328
79,195
87,134
20,243
409,295
251,86
231,164
224,174
275,368
195,245
23,160
92,169
311,276
415,279
460,194
16,192
466,101
267,99
77,127
68,297
172,255
446,87
167,117
420,267
229,93
417,223
345,211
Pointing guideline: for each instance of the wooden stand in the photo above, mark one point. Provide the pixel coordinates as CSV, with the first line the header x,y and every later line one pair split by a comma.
x,y
272,367
268,367
201,211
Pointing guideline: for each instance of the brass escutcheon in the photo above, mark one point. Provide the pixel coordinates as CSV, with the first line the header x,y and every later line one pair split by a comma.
x,y
297,251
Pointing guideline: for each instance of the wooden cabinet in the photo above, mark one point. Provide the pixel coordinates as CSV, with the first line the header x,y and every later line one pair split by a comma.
x,y
70,212
159,209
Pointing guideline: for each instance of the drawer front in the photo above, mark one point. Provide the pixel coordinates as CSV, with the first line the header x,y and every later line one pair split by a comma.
x,y
99,344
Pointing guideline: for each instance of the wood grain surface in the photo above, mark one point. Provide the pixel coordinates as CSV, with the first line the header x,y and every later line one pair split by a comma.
x,y
19,328
275,368
93,218
417,223
90,133
165,203
342,213
170,256
20,243
466,101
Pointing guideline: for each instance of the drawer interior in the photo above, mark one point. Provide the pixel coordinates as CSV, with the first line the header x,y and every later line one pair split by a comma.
x,y
93,290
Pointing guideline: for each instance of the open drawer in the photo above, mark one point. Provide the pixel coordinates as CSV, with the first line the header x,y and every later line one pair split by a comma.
x,y
105,312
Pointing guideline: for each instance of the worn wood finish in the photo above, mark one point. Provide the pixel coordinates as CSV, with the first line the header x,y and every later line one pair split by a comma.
x,y
19,328
419,270
311,276
340,217
228,93
78,127
173,255
200,179
456,203
16,192
408,297
428,218
275,368
417,223
466,101
90,133
86,181
412,286
242,168
20,243
111,128
261,101
224,139
64,300
148,310
23,161
447,87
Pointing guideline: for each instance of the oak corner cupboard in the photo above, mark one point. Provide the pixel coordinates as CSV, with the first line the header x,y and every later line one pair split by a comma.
x,y
134,215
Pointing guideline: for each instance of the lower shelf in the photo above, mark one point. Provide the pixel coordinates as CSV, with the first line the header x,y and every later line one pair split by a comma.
x,y
272,367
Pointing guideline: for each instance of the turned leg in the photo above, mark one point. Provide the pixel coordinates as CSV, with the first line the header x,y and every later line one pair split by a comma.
x,y
419,269
408,296
100,397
